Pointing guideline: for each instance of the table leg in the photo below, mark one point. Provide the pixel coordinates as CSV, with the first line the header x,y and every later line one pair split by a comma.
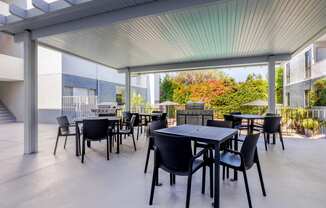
x,y
217,177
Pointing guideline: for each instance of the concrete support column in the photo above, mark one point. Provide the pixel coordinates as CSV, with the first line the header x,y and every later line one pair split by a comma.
x,y
30,85
271,87
127,90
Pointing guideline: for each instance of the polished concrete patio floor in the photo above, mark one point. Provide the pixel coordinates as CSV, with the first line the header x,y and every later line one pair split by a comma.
x,y
293,178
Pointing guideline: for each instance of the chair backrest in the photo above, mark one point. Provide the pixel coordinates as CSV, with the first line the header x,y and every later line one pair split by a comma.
x,y
248,149
164,116
126,116
272,124
63,123
222,124
137,119
155,117
157,111
174,152
95,129
155,125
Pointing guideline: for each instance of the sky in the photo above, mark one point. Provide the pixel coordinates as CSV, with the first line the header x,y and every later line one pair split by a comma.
x,y
240,74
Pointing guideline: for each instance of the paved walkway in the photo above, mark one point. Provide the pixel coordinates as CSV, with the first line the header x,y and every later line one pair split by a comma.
x,y
294,178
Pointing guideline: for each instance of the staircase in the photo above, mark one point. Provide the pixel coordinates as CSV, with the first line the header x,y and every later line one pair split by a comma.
x,y
5,115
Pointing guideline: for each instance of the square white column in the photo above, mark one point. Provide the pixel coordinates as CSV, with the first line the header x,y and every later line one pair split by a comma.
x,y
30,85
271,87
127,90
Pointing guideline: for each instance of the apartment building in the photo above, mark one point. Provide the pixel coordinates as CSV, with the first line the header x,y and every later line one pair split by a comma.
x,y
60,75
302,71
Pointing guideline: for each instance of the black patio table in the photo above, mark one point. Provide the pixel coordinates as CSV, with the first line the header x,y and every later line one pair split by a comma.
x,y
210,135
250,119
79,121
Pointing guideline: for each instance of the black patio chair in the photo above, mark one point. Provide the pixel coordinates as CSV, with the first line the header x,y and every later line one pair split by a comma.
x,y
137,123
64,130
244,160
154,125
95,130
173,154
126,116
272,126
128,131
236,122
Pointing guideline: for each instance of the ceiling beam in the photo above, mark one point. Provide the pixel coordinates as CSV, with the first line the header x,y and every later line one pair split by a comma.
x,y
72,2
215,63
111,17
3,19
17,11
41,5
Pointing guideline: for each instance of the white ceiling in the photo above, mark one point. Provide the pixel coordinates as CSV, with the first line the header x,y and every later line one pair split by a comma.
x,y
225,29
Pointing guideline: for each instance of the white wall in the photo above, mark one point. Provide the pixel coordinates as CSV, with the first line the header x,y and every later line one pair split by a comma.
x,y
11,68
76,66
49,79
12,95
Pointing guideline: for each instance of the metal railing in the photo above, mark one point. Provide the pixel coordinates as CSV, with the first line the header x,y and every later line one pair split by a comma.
x,y
78,106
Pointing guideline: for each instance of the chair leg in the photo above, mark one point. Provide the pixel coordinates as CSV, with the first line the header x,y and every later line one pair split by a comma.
x,y
111,144
188,190
265,141
261,178
281,139
107,148
274,139
195,147
171,179
147,158
133,140
137,133
247,187
64,146
154,181
203,180
56,145
83,151
227,172
223,173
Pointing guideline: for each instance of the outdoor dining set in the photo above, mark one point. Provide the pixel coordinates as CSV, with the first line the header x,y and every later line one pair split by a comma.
x,y
185,149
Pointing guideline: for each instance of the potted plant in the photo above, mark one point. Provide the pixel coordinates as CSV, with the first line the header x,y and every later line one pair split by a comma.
x,y
311,126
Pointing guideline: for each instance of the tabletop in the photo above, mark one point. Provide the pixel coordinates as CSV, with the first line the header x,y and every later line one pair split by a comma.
x,y
201,133
248,116
110,118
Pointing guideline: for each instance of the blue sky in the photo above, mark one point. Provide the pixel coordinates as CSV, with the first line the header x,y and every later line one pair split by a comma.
x,y
240,74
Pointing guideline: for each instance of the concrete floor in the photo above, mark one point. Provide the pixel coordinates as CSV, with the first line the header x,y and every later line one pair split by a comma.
x,y
293,178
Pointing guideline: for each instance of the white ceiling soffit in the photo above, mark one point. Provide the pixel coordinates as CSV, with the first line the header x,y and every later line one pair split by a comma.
x,y
226,29
221,30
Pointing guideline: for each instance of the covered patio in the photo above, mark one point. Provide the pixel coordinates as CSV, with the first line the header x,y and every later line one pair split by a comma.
x,y
136,37
293,178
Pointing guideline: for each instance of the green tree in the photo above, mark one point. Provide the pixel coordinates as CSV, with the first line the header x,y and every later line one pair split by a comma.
x,y
279,84
167,87
318,93
137,100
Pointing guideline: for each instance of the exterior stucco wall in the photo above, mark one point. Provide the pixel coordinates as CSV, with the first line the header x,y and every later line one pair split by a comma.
x,y
12,95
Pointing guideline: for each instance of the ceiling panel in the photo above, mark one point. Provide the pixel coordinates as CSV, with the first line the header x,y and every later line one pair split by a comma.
x,y
225,29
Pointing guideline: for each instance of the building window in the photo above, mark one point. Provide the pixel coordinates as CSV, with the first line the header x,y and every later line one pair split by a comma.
x,y
288,73
308,60
306,98
288,99
68,91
